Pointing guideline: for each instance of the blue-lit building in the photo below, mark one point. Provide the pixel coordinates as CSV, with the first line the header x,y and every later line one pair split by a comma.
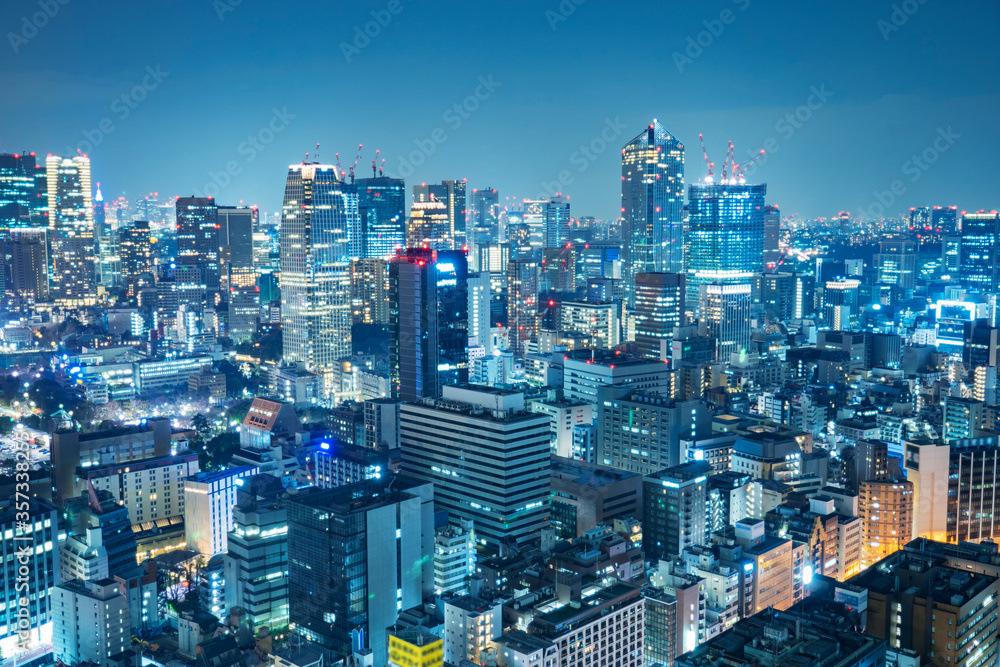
x,y
726,233
382,216
453,317
979,267
18,195
557,222
652,204
413,324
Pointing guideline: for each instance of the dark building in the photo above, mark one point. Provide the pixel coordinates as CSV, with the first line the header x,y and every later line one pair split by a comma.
x,y
382,210
675,502
453,317
413,324
772,232
484,209
236,228
198,238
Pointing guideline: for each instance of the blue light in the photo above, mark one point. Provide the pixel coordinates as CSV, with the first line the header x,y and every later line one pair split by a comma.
x,y
325,445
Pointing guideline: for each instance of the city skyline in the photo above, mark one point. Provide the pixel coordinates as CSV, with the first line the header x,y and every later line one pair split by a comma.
x,y
882,96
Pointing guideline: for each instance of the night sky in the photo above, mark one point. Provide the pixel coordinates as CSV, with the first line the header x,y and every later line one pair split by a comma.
x,y
887,81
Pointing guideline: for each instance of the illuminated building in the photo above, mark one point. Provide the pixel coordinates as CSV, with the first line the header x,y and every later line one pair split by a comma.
x,y
198,238
979,266
600,321
945,219
772,232
136,254
522,304
71,225
725,316
415,647
452,195
659,307
315,270
209,498
652,203
413,325
727,233
382,215
841,301
502,482
675,502
237,225
370,291
896,262
484,210
557,222
454,557
18,194
885,507
452,294
471,626
104,637
429,226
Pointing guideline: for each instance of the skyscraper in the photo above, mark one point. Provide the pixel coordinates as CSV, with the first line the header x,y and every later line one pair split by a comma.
x,y
413,324
725,317
772,230
980,263
453,317
522,304
557,222
841,299
315,269
488,459
659,307
945,219
382,211
136,256
452,195
429,226
896,261
71,223
652,204
236,227
484,209
370,291
17,190
198,238
727,233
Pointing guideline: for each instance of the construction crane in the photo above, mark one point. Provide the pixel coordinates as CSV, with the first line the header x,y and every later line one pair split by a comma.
x,y
354,166
340,170
374,173
704,151
739,170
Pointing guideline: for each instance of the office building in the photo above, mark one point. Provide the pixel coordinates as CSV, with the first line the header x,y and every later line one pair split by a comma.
x,y
652,205
963,418
885,507
73,280
26,271
135,251
370,291
244,313
585,495
382,212
429,227
209,498
18,193
772,235
471,624
586,371
100,543
452,296
557,222
198,238
659,307
388,525
598,321
237,225
452,195
640,430
784,296
256,562
725,317
522,304
318,211
90,623
414,646
502,483
896,261
979,266
34,545
675,503
454,557
727,233
413,324
484,211
841,302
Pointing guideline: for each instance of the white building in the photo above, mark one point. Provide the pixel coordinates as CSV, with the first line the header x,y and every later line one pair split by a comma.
x,y
470,624
454,557
151,489
209,498
91,622
564,416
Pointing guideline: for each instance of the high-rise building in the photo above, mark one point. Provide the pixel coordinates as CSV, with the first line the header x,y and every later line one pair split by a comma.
x,y
659,307
652,204
454,557
209,498
480,290
920,218
28,585
772,233
484,210
237,225
244,312
91,623
675,501
100,543
522,304
413,324
71,225
452,195
26,267
979,266
502,483
945,219
963,418
357,556
725,316
429,226
198,238
370,291
136,254
18,194
896,261
315,270
885,507
452,290
727,233
841,304
557,222
382,212
785,296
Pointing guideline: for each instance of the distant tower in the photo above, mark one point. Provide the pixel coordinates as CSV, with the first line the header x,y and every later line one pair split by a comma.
x,y
652,205
198,238
557,222
382,212
71,223
413,324
980,263
772,230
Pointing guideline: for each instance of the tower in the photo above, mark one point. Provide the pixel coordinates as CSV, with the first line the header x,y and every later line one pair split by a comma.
x,y
413,324
382,211
71,223
198,238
